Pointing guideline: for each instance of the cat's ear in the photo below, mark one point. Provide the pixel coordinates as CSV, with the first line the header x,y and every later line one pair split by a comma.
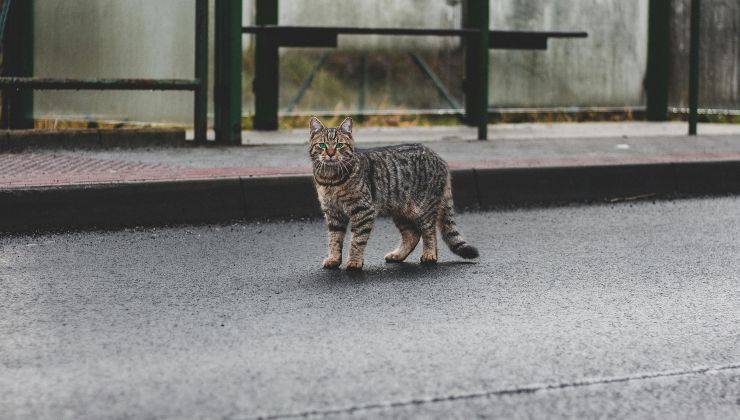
x,y
346,125
315,125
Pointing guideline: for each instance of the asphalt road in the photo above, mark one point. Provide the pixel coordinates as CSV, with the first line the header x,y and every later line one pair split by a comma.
x,y
629,310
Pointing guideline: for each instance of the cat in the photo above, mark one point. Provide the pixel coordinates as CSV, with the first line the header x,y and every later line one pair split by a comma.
x,y
409,182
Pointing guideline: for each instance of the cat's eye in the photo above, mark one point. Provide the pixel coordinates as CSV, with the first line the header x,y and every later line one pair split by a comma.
x,y
340,145
323,145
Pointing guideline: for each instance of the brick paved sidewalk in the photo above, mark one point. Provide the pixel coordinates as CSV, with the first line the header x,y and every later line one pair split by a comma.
x,y
282,153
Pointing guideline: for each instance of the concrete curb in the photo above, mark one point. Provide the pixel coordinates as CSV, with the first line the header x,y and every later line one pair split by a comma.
x,y
107,206
17,140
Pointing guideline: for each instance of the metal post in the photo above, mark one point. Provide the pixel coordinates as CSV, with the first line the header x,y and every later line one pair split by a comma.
x,y
18,61
471,63
483,69
227,91
200,108
476,16
266,72
362,96
656,81
694,67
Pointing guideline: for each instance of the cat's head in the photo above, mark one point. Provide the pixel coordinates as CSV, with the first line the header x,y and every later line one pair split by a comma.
x,y
331,145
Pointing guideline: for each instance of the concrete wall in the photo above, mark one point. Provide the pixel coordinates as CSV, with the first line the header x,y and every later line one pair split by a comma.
x,y
445,14
144,38
606,69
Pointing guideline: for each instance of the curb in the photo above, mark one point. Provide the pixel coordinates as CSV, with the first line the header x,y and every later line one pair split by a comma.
x,y
17,140
108,206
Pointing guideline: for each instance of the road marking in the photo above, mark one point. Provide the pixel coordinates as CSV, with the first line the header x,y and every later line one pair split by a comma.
x,y
528,389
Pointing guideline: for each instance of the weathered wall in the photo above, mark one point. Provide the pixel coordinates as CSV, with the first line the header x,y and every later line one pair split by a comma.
x,y
378,13
605,69
719,67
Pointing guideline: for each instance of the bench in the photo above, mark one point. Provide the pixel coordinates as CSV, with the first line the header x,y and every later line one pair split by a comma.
x,y
272,37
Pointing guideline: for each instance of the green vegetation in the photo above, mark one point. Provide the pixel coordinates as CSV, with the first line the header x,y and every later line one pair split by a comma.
x,y
361,81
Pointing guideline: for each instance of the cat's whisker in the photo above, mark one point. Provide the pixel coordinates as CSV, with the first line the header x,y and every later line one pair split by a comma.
x,y
342,168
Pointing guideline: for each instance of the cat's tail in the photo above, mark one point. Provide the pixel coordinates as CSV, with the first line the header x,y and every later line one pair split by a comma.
x,y
448,228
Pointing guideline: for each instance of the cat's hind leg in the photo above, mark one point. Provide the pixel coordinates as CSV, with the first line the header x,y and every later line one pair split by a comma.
x,y
410,236
429,238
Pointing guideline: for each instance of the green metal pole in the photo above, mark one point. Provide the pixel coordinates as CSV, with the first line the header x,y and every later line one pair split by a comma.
x,y
227,92
200,108
266,72
483,69
656,81
362,96
476,16
694,67
470,81
18,61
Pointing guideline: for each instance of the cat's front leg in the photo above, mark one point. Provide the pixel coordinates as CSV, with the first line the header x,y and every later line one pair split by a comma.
x,y
362,217
336,223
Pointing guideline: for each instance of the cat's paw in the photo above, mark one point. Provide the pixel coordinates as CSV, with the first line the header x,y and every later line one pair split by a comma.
x,y
394,256
428,258
330,262
354,266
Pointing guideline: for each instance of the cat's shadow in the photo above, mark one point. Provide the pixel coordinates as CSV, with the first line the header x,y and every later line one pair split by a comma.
x,y
390,272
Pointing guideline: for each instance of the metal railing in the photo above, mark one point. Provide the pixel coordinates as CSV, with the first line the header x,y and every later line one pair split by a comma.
x,y
477,37
270,36
13,85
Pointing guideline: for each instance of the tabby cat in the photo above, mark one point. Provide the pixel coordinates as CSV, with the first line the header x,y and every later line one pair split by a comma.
x,y
409,182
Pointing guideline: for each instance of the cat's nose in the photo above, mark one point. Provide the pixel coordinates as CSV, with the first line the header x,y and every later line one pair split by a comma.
x,y
330,151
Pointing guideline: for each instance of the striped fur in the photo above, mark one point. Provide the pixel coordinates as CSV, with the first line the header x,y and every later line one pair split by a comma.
x,y
409,182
